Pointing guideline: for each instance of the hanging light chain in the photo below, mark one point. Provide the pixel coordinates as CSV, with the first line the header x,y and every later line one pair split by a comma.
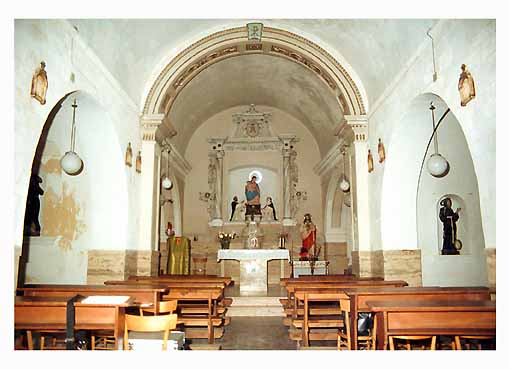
x,y
73,127
432,108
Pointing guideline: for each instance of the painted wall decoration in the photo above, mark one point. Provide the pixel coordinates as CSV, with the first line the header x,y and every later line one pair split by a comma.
x,y
466,86
381,151
129,155
39,84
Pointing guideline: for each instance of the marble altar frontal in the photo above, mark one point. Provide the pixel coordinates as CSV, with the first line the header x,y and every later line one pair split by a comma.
x,y
253,264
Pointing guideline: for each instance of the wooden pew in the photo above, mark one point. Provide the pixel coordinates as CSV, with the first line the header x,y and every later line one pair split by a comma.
x,y
43,313
361,297
292,287
142,294
328,324
204,313
183,277
439,317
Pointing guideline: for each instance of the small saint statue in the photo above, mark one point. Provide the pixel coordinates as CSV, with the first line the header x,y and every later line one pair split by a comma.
x,y
233,205
381,151
370,160
268,210
449,219
308,233
39,84
32,225
129,155
466,86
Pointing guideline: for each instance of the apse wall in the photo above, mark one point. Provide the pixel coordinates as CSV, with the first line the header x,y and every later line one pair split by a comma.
x,y
220,125
195,216
70,65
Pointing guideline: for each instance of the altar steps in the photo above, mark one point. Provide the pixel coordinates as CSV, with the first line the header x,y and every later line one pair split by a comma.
x,y
255,306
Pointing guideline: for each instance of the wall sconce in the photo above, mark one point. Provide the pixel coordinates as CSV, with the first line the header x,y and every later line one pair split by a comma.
x,y
139,162
344,184
437,165
71,162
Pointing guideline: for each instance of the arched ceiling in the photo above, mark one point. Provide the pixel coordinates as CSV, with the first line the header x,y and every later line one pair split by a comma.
x,y
261,80
374,50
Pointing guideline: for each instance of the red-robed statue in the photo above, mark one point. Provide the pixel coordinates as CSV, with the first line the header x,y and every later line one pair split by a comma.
x,y
308,233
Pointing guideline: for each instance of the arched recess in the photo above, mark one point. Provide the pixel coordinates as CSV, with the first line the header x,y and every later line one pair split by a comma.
x,y
88,211
410,195
233,42
336,214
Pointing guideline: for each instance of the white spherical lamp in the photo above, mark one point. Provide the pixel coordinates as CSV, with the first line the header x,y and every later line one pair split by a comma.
x,y
166,183
437,165
345,185
71,163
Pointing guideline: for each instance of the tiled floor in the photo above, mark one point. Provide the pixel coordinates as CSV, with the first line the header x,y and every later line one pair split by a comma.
x,y
255,333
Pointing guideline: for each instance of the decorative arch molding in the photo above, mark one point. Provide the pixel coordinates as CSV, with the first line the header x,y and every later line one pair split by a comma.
x,y
234,42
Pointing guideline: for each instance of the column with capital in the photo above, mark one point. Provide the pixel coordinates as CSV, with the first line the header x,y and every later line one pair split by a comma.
x,y
148,241
361,209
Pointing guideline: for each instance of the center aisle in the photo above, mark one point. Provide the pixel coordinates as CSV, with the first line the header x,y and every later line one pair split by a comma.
x,y
256,333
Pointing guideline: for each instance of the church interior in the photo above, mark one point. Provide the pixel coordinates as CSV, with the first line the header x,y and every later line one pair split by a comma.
x,y
254,184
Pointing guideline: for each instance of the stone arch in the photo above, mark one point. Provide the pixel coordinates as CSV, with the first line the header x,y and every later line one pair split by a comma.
x,y
233,42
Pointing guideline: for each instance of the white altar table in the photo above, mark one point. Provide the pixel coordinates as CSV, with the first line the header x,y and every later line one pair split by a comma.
x,y
253,263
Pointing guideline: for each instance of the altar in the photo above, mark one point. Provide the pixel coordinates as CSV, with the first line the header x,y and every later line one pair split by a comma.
x,y
253,264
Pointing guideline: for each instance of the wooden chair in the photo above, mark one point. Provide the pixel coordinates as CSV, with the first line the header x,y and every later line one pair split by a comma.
x,y
156,323
104,340
467,345
407,345
165,307
344,335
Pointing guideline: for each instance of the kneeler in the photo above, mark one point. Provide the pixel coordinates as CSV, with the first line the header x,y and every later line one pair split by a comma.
x,y
179,250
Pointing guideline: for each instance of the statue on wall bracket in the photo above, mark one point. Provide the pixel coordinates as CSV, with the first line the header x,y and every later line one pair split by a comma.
x,y
39,84
466,86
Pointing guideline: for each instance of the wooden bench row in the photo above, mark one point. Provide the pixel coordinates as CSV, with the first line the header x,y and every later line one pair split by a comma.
x,y
316,303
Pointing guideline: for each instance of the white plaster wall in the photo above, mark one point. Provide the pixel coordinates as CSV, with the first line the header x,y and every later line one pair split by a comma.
x,y
98,192
469,268
53,41
195,211
471,42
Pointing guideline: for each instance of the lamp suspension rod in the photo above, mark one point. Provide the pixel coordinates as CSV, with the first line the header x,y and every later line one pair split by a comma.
x,y
432,108
434,76
73,127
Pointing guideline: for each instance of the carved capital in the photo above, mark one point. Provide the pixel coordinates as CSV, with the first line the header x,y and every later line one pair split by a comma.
x,y
359,125
156,127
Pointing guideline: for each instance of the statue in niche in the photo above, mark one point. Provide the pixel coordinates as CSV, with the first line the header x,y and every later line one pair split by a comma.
x,y
449,219
466,86
32,225
252,193
308,233
233,205
39,84
268,211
